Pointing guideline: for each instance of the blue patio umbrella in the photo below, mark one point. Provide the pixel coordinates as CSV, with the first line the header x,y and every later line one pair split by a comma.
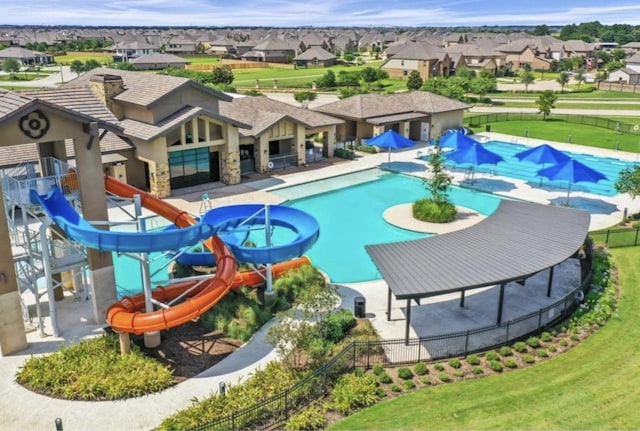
x,y
390,140
573,172
542,155
456,141
475,154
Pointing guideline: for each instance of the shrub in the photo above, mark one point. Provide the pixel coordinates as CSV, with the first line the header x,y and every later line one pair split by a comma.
x,y
528,359
405,373
546,337
336,325
520,347
458,373
311,418
439,367
92,370
381,393
444,377
395,388
492,356
477,370
421,369
552,348
455,363
495,366
408,384
434,212
511,363
575,337
533,342
506,351
473,360
351,392
371,149
426,381
385,378
542,353
378,369
563,343
343,154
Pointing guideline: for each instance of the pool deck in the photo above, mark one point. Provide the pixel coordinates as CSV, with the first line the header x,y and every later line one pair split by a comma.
x,y
22,409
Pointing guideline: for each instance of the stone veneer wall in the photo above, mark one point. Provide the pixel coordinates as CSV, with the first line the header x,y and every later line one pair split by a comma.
x,y
230,167
160,180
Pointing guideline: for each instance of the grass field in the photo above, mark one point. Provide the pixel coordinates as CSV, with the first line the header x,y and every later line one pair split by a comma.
x,y
591,106
594,386
70,57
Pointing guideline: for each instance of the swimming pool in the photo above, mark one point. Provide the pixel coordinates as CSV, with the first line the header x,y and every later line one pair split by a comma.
x,y
349,209
514,168
350,217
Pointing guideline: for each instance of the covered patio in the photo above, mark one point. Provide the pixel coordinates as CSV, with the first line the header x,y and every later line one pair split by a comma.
x,y
518,240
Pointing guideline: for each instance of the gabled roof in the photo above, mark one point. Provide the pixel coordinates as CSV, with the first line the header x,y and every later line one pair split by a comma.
x,y
420,51
17,52
364,106
315,52
261,113
277,44
159,58
144,89
78,104
148,132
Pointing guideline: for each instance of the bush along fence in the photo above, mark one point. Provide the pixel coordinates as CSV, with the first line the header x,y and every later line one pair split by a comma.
x,y
620,237
616,126
274,412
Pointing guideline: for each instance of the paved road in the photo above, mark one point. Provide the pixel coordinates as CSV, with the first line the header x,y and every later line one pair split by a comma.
x,y
62,75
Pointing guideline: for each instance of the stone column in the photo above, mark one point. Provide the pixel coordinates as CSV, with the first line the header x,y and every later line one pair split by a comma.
x,y
329,142
299,143
12,332
94,208
160,180
230,167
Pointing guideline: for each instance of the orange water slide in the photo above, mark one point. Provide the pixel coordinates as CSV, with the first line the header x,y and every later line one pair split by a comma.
x,y
126,316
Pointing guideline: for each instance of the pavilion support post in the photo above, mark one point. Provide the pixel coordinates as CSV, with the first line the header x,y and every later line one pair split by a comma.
x,y
500,303
462,299
388,304
550,283
408,323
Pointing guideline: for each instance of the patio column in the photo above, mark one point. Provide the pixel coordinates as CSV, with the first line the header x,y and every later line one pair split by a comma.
x,y
550,283
500,303
462,299
408,322
388,304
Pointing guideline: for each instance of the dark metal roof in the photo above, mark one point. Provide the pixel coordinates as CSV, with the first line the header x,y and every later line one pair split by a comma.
x,y
397,117
518,240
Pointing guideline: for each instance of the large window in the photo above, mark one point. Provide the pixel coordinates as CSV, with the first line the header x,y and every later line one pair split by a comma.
x,y
192,167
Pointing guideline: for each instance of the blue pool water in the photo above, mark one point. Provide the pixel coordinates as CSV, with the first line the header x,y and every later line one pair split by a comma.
x,y
349,209
514,168
351,217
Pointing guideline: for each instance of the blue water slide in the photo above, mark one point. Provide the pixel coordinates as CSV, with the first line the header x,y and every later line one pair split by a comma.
x,y
190,257
78,229
230,218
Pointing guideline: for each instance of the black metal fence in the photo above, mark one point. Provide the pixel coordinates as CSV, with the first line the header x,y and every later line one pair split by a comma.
x,y
620,237
617,126
274,412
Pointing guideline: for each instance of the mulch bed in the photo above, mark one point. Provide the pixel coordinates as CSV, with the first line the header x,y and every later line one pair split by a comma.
x,y
189,349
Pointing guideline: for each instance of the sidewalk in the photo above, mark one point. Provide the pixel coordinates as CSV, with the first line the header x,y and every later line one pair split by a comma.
x,y
22,409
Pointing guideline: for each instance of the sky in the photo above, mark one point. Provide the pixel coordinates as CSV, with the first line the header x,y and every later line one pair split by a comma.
x,y
317,13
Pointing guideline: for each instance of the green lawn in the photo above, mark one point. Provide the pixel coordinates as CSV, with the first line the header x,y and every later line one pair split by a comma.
x,y
70,57
202,60
573,105
594,95
594,386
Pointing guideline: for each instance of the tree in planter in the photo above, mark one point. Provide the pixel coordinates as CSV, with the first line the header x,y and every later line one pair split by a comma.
x,y
437,208
304,97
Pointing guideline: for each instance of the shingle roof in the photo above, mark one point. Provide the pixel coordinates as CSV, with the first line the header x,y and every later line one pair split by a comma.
x,y
420,51
81,100
517,241
315,52
261,113
365,106
144,89
160,58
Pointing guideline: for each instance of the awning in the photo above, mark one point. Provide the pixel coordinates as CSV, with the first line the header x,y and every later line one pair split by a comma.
x,y
113,158
386,119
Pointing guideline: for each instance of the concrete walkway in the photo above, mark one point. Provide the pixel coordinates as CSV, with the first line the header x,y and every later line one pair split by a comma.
x,y
22,409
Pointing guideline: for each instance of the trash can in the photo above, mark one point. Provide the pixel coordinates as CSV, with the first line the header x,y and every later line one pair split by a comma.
x,y
359,306
487,128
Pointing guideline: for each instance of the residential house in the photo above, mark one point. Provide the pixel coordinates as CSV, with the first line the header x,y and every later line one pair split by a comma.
x,y
221,47
315,57
312,40
277,132
181,45
526,52
126,51
427,59
418,115
26,57
158,61
625,75
476,58
274,51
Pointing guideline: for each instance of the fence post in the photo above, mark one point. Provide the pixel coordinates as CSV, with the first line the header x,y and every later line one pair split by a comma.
x,y
466,343
368,354
506,335
419,345
286,404
606,239
539,318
